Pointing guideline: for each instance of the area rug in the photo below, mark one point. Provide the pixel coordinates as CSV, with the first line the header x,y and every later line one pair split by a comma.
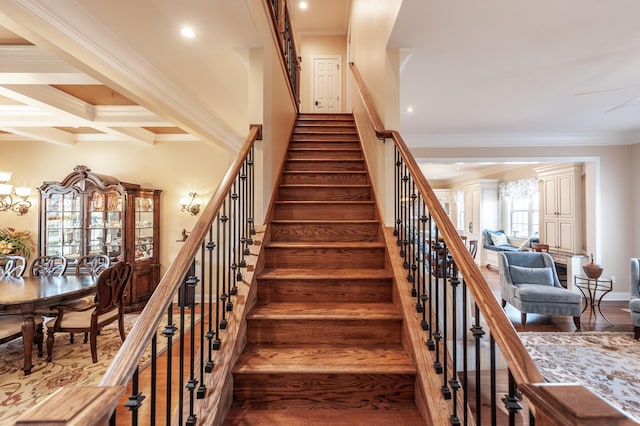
x,y
607,363
71,366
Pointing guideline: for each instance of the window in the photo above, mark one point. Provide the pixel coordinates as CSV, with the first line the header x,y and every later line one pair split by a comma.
x,y
523,215
521,204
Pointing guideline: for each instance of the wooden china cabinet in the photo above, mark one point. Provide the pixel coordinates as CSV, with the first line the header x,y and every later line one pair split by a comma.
x,y
87,214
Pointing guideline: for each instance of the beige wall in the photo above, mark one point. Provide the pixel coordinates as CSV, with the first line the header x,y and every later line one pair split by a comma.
x,y
176,168
371,25
311,46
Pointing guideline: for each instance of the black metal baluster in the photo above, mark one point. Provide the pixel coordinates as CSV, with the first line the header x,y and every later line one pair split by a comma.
x,y
210,334
405,214
465,354
424,253
396,195
168,332
446,392
233,245
135,399
251,220
511,401
202,388
183,295
492,378
413,241
478,332
431,344
223,270
454,382
438,320
192,282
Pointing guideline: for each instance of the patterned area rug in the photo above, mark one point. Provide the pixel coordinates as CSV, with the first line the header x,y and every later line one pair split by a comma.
x,y
605,362
71,366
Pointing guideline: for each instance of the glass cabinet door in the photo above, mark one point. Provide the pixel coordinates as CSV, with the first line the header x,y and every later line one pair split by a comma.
x,y
144,213
63,225
105,214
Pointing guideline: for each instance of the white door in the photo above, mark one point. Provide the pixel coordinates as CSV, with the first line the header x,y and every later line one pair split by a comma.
x,y
326,84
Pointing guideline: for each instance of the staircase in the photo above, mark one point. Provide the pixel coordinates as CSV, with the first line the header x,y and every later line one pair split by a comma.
x,y
324,339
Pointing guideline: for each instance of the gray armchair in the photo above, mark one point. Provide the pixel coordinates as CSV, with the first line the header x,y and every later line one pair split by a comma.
x,y
529,282
634,301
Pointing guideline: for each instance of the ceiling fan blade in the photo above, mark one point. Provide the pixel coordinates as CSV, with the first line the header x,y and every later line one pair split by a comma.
x,y
624,103
593,92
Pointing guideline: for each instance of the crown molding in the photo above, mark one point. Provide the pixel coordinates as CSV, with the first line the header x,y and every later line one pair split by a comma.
x,y
68,29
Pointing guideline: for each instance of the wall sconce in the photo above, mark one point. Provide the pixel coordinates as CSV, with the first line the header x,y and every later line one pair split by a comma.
x,y
191,204
21,204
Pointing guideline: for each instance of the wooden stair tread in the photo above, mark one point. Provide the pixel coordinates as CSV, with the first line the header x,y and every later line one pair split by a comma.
x,y
326,245
321,221
325,185
324,359
402,414
325,311
319,274
337,202
325,172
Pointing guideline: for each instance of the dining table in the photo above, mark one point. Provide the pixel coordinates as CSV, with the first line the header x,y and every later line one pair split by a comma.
x,y
29,295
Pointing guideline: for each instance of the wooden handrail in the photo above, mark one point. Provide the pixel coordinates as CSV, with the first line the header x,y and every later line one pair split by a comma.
x,y
549,402
126,360
521,365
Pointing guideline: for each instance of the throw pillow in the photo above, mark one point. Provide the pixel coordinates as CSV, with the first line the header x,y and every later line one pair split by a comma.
x,y
499,240
524,275
525,245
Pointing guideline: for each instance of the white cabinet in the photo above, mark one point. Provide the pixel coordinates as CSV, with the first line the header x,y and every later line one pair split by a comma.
x,y
480,210
561,207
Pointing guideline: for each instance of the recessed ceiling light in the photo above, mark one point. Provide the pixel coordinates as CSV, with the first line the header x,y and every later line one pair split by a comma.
x,y
409,109
303,5
187,32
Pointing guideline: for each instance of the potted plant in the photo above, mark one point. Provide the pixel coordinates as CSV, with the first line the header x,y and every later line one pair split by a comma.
x,y
16,243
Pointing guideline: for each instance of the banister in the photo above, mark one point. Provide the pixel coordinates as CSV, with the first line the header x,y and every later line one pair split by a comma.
x,y
545,402
523,367
125,361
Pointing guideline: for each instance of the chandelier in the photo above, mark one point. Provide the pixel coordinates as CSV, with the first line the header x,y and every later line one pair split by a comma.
x,y
13,199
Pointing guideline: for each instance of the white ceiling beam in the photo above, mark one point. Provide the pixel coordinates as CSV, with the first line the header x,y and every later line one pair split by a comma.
x,y
50,99
55,136
32,65
108,116
131,134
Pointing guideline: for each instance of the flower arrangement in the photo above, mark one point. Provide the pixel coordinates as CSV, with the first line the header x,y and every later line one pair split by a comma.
x,y
14,242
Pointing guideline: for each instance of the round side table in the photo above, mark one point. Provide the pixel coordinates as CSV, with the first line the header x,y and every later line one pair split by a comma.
x,y
589,287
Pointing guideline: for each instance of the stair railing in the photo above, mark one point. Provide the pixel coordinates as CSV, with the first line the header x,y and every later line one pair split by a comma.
x,y
215,256
281,20
464,326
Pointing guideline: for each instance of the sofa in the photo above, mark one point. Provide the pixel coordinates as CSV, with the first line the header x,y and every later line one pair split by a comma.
x,y
634,301
497,241
529,282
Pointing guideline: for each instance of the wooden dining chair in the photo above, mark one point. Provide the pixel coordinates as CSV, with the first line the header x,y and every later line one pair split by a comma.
x,y
108,307
48,266
473,248
92,265
13,267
